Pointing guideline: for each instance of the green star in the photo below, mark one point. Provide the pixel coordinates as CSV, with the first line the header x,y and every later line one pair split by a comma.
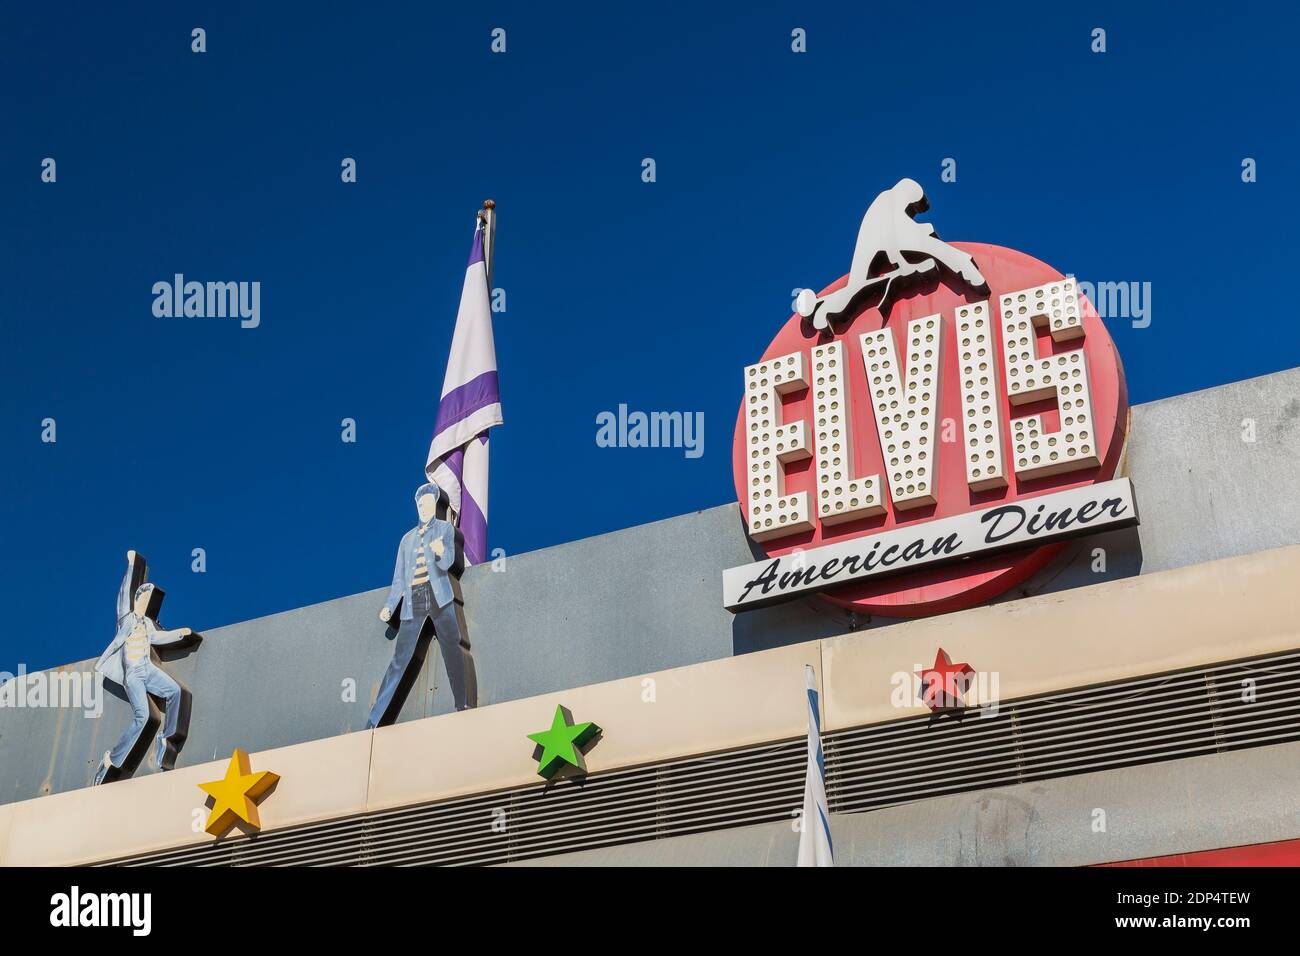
x,y
562,744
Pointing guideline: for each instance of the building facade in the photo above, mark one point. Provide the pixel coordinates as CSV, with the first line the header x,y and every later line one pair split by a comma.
x,y
1136,698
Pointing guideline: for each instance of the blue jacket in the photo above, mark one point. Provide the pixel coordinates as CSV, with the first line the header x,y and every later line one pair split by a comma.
x,y
439,580
112,663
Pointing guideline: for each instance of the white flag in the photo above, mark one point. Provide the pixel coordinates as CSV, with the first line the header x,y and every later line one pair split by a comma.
x,y
815,834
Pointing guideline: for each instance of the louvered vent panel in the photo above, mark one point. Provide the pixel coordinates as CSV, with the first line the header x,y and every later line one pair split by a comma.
x,y
733,789
332,843
1185,714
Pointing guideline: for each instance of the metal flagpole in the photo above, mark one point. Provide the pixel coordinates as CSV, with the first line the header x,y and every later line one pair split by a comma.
x,y
489,216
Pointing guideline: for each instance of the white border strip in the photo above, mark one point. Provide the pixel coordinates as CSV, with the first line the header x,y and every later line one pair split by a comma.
x,y
1024,522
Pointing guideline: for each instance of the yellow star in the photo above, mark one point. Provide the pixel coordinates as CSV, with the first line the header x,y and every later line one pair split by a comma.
x,y
234,795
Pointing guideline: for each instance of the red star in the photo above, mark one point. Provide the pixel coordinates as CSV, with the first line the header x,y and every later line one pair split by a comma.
x,y
943,684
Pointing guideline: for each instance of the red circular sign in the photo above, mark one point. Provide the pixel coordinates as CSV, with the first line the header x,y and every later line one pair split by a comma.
x,y
963,584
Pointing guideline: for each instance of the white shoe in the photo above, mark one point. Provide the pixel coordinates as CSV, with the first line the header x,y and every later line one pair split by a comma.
x,y
104,767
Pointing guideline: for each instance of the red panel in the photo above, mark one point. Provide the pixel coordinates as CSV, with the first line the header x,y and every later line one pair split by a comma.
x,y
1285,853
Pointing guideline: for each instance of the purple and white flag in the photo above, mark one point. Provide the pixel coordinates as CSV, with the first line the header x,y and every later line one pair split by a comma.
x,y
470,405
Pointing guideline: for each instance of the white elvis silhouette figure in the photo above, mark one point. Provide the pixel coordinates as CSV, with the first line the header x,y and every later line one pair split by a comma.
x,y
888,228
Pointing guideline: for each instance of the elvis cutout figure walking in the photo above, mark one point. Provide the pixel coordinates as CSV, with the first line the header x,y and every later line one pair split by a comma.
x,y
423,588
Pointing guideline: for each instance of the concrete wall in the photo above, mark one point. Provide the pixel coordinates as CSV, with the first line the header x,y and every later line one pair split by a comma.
x,y
649,598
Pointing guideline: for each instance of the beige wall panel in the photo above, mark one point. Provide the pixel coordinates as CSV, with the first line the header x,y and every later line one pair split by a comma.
x,y
6,817
322,779
712,706
1206,613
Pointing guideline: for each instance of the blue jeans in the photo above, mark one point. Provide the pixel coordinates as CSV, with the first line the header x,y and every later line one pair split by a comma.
x,y
456,655
144,678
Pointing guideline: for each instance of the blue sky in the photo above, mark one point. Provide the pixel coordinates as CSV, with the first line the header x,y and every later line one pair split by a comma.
x,y
177,434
